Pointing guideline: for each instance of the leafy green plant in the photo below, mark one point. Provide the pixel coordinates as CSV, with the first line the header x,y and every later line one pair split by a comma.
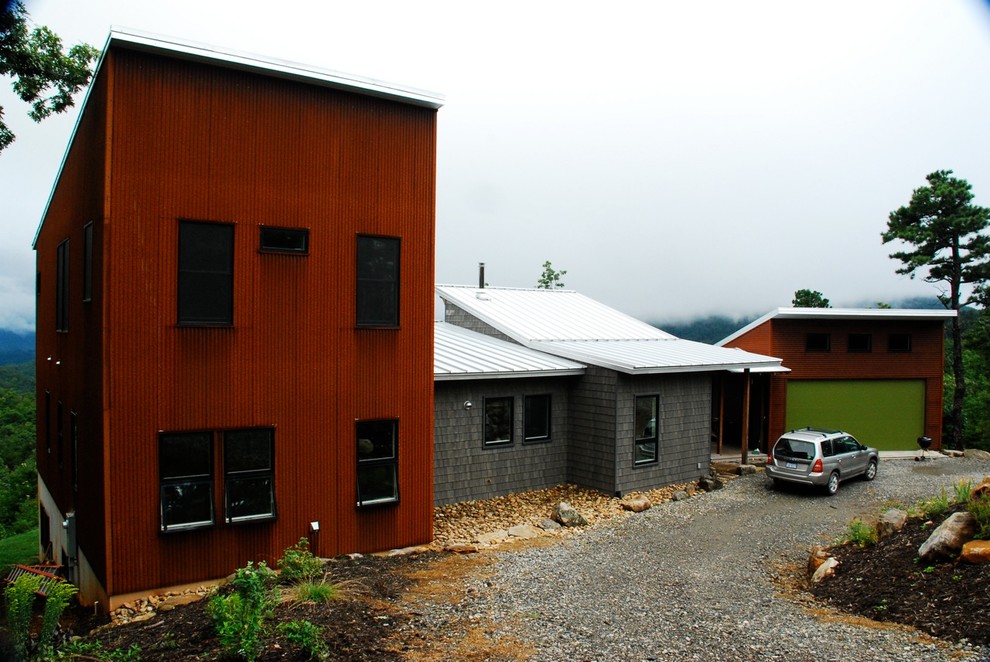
x,y
298,563
20,597
963,489
861,533
94,650
239,617
929,569
307,636
319,592
936,505
980,509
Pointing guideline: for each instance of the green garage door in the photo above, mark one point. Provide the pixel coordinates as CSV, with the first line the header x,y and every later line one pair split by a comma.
x,y
886,413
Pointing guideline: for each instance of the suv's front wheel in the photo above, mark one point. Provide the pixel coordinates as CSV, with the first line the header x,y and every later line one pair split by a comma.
x,y
871,470
832,486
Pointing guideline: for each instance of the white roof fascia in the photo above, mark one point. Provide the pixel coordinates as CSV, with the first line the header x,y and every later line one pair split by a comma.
x,y
898,314
189,50
628,356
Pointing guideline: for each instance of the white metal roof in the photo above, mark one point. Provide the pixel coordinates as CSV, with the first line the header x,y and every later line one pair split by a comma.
x,y
899,314
570,325
459,353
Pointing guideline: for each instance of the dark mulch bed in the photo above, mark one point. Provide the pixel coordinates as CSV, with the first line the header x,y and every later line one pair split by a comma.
x,y
887,582
356,627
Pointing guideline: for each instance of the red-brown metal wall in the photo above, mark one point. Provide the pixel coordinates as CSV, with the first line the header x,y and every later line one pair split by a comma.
x,y
194,142
786,339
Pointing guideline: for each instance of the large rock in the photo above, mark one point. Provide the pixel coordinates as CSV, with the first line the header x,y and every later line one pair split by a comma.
x,y
891,522
524,531
568,516
710,483
636,504
947,540
826,569
976,551
818,556
976,453
982,489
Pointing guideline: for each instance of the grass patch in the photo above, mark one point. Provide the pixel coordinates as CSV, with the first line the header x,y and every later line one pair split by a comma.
x,y
21,548
861,534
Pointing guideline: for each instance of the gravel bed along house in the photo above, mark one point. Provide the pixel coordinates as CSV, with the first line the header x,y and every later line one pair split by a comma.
x,y
700,578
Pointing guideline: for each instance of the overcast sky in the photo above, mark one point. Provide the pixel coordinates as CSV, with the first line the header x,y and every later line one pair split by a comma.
x,y
676,158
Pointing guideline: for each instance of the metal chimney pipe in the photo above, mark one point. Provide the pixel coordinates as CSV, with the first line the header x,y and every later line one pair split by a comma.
x,y
481,275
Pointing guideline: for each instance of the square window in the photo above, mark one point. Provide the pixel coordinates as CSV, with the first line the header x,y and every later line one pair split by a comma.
x,y
818,342
536,418
647,434
249,474
377,281
498,421
378,462
284,240
860,342
206,274
185,465
899,342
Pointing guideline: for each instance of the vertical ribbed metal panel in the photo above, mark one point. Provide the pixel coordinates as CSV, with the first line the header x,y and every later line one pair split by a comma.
x,y
201,143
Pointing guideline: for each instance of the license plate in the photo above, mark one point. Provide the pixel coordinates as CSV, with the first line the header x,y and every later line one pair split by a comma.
x,y
791,465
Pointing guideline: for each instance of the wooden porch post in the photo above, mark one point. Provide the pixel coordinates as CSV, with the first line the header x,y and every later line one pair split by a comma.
x,y
745,417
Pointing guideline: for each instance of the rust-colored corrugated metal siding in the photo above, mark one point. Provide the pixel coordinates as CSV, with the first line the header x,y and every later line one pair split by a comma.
x,y
69,364
191,141
924,361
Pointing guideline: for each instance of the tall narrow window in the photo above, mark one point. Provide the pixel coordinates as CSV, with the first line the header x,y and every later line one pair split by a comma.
x,y
377,281
378,462
74,443
647,433
48,422
249,474
59,434
206,274
62,287
498,421
88,262
185,465
536,418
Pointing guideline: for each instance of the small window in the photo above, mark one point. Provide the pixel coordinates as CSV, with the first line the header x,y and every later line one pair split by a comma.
x,y
284,240
378,462
62,287
860,342
249,474
536,418
206,274
185,465
88,263
647,435
899,342
498,421
818,342
377,281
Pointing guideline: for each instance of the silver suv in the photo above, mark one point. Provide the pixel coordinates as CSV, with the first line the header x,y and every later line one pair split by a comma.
x,y
823,458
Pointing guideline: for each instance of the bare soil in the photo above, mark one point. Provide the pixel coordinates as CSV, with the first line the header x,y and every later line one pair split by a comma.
x,y
888,583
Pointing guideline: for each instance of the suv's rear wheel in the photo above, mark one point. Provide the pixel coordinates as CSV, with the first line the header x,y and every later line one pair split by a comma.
x,y
832,486
871,470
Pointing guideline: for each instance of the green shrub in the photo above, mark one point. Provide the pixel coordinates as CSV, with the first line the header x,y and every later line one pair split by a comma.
x,y
20,597
861,533
980,508
319,592
298,564
307,636
935,506
239,617
964,490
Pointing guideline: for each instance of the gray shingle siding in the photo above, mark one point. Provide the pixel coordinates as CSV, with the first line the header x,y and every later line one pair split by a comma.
x,y
453,314
465,470
593,430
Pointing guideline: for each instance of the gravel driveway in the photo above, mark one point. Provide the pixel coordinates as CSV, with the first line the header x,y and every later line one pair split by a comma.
x,y
694,580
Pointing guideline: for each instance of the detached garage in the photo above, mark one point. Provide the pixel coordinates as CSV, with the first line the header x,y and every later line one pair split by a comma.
x,y
885,413
876,373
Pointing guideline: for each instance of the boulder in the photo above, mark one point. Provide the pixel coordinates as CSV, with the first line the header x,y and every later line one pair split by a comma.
x,y
461,548
891,522
710,483
680,495
745,469
981,489
947,540
636,504
976,551
568,516
174,601
976,453
816,558
549,525
524,531
826,569
493,538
